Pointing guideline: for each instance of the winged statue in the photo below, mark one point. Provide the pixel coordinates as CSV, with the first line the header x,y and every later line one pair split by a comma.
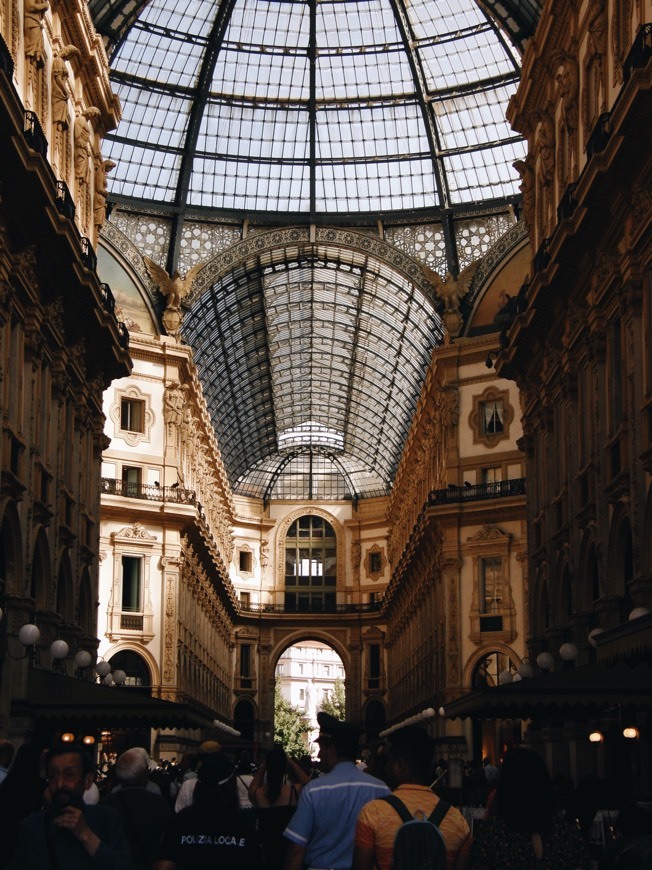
x,y
452,291
175,289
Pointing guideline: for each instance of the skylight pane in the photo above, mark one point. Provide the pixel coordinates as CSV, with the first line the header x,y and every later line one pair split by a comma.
x,y
161,57
142,172
155,118
189,17
484,173
472,119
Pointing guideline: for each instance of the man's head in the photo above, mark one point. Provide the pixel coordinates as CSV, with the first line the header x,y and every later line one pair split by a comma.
x,y
338,741
409,756
70,773
132,767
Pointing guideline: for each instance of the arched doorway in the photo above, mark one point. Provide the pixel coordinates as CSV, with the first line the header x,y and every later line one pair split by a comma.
x,y
310,677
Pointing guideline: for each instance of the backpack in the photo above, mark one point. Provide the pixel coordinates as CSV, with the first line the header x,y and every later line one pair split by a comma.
x,y
419,844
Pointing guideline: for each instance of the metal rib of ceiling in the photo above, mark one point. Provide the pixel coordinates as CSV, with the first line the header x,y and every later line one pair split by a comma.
x,y
322,353
113,18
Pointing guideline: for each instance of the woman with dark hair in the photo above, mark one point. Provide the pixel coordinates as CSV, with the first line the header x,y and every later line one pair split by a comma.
x,y
213,831
275,801
525,832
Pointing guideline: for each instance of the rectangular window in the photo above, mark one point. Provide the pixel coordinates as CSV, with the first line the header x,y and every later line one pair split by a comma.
x,y
375,562
131,584
491,584
245,600
491,475
245,561
302,694
615,404
374,665
492,416
245,660
131,480
132,415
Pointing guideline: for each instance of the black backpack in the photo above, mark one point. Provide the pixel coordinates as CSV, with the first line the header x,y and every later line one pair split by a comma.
x,y
419,844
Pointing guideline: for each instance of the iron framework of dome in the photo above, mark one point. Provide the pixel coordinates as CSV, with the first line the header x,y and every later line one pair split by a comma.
x,y
305,113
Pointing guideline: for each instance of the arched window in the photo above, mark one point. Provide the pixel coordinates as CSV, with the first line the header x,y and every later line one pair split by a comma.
x,y
310,566
134,667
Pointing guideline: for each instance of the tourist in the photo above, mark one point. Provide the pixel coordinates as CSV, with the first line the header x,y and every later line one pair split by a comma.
x,y
525,831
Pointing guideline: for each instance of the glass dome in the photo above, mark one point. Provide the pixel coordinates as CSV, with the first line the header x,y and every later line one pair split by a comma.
x,y
313,109
348,123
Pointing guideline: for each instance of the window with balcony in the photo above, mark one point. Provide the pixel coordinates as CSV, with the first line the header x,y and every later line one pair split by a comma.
x,y
310,566
132,477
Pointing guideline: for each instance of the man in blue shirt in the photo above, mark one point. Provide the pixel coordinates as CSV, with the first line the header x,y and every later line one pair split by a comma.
x,y
322,830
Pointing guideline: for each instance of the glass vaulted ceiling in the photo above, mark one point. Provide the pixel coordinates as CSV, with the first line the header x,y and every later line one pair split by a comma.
x,y
312,355
314,108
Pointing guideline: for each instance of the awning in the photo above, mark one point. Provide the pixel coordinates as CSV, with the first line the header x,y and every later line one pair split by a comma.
x,y
578,692
64,699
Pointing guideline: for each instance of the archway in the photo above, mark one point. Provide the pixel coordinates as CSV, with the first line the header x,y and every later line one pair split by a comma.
x,y
135,667
310,677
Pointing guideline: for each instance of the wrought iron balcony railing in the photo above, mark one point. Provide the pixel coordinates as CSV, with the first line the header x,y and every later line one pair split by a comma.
x,y
477,492
148,492
371,607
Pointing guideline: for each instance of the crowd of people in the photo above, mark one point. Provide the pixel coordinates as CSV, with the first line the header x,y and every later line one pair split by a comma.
x,y
210,813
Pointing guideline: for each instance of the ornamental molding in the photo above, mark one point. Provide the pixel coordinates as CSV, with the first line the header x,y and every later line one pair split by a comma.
x,y
489,533
301,240
149,418
134,533
515,236
123,245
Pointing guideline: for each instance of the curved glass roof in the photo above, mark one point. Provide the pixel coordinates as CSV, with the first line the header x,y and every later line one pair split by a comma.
x,y
297,112
312,362
314,108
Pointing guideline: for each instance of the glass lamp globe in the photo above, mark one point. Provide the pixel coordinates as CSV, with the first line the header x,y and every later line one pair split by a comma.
x,y
592,635
103,668
545,661
526,670
119,677
637,612
82,658
29,634
568,652
59,649
505,677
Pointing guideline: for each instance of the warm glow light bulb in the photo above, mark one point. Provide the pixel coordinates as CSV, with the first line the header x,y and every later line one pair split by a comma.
x,y
596,737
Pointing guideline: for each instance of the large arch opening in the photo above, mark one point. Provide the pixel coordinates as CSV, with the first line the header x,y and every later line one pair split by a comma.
x,y
310,677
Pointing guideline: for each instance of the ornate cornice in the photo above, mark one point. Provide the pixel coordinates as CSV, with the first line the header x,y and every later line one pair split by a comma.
x,y
300,240
505,244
